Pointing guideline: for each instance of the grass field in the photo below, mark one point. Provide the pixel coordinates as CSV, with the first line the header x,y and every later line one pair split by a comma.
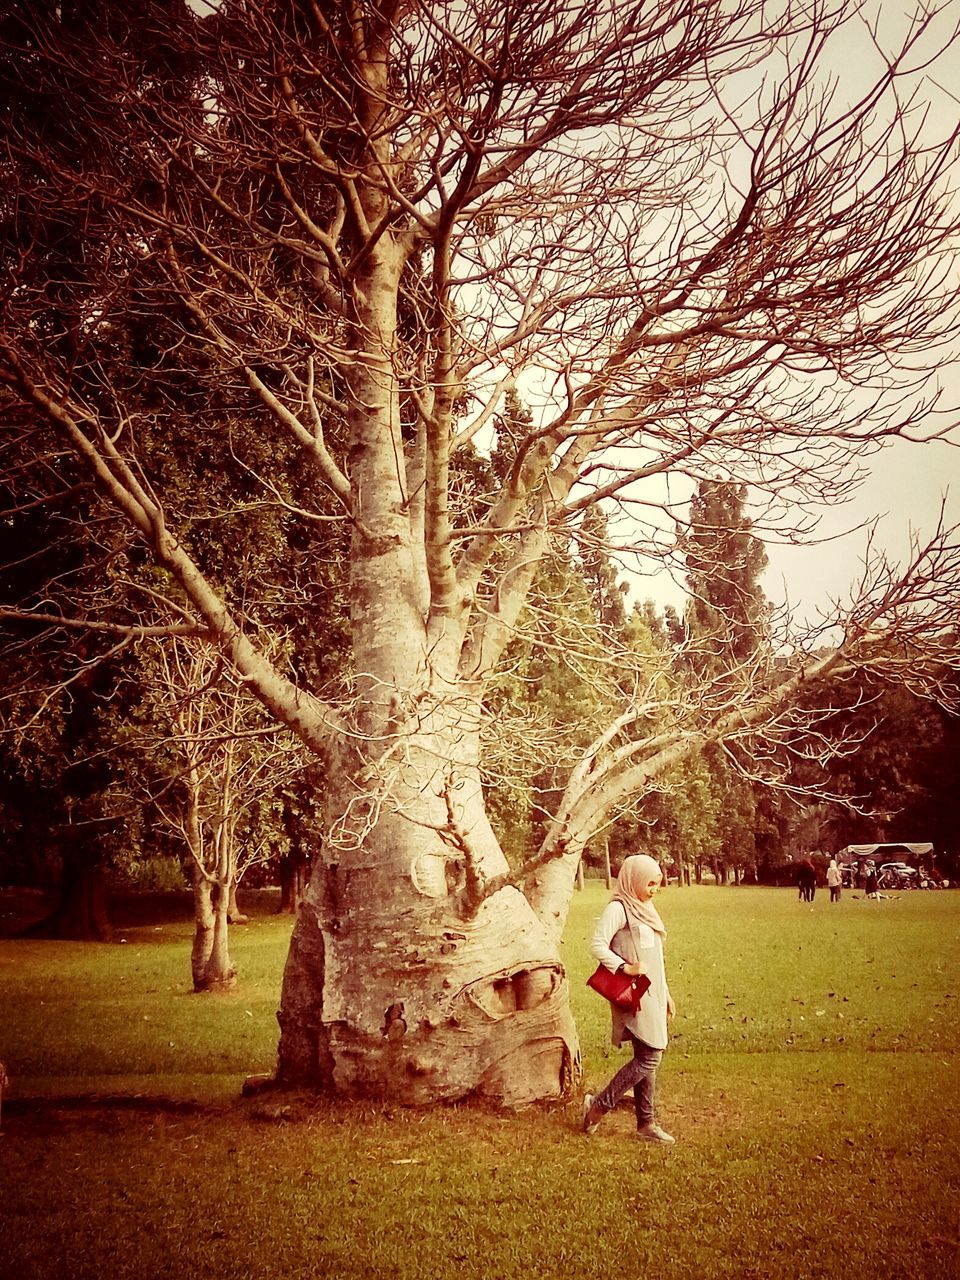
x,y
812,1084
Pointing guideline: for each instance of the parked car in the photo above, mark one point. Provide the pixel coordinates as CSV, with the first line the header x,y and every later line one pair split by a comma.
x,y
897,875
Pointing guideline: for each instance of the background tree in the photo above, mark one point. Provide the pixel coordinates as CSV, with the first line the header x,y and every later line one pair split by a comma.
x,y
900,776
544,705
727,632
363,224
59,799
606,590
223,798
727,613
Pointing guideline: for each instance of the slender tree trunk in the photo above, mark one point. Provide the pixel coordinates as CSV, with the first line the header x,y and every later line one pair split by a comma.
x,y
234,914
210,956
203,928
220,971
212,880
294,875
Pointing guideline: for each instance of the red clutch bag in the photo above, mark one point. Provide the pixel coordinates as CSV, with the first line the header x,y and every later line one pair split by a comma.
x,y
619,988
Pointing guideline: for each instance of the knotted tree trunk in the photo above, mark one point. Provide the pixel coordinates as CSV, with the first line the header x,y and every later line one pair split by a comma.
x,y
403,981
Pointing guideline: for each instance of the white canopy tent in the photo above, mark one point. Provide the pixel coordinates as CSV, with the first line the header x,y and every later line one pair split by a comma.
x,y
885,852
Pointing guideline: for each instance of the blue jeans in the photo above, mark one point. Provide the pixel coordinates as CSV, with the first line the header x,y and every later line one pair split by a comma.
x,y
639,1074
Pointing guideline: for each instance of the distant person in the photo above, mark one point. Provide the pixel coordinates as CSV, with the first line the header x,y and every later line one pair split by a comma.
x,y
834,880
629,937
870,881
806,880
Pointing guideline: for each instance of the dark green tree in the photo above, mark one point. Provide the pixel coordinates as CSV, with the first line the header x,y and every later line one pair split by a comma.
x,y
606,590
726,625
899,773
727,611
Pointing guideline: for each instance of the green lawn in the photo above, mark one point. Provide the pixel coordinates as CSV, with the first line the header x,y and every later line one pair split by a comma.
x,y
812,1084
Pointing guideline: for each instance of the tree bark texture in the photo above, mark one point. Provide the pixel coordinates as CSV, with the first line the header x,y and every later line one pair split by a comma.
x,y
396,988
210,955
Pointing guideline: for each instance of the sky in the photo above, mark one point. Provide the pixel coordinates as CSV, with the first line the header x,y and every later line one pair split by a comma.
x,y
907,481
903,493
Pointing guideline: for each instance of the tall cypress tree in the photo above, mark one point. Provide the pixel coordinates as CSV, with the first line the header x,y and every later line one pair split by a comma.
x,y
600,574
724,560
725,622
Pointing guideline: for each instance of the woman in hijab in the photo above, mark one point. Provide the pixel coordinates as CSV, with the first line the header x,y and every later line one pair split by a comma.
x,y
629,937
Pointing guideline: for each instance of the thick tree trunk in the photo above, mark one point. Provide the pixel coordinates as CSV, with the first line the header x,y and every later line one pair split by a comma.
x,y
403,981
394,989
81,911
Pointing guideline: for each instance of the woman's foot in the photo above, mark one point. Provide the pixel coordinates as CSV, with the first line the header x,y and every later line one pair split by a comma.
x,y
653,1133
591,1114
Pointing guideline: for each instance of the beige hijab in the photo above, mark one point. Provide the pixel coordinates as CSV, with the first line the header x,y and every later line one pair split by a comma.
x,y
637,869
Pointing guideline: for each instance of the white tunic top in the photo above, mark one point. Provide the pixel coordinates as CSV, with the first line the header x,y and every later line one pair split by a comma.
x,y
612,944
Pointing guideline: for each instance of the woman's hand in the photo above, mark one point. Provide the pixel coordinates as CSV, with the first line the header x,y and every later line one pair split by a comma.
x,y
671,1007
632,970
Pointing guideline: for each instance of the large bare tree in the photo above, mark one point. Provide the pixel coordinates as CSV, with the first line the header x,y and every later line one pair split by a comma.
x,y
357,226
